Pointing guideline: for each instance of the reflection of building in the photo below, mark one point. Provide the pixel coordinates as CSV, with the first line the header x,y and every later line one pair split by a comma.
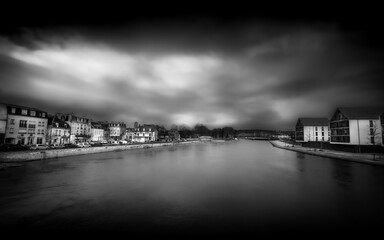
x,y
116,130
312,130
80,126
22,125
145,133
59,132
97,132
356,126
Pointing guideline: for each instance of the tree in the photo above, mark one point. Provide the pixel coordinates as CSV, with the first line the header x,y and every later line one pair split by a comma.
x,y
201,130
374,134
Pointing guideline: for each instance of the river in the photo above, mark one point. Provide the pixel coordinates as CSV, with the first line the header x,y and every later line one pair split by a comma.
x,y
239,187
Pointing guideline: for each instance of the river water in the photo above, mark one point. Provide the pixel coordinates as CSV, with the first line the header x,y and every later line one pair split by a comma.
x,y
240,187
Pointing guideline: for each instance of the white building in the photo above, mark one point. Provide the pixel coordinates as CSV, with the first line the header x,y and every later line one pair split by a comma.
x,y
80,127
116,130
356,126
145,133
312,130
59,132
22,125
97,132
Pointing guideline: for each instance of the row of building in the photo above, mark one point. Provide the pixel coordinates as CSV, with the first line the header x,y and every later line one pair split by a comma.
x,y
347,126
24,125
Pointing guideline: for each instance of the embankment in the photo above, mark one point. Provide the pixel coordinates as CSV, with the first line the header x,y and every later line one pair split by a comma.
x,y
354,157
23,156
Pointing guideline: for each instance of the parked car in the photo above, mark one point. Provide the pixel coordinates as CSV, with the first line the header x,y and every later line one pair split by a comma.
x,y
83,144
70,145
38,146
123,142
12,147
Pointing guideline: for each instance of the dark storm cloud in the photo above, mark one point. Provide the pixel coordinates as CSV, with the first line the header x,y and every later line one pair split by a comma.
x,y
246,74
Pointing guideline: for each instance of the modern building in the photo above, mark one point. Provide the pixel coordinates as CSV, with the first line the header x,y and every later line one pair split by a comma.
x,y
357,126
145,133
22,125
97,132
59,132
117,130
80,127
312,130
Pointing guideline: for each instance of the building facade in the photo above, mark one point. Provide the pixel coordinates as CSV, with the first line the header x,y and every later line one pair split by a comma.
x,y
117,130
312,130
22,125
59,132
145,133
97,132
356,126
80,127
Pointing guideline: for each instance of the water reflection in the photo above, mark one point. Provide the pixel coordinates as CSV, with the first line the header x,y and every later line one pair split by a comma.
x,y
241,186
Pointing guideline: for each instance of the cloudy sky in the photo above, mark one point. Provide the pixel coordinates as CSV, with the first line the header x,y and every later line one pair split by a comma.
x,y
246,71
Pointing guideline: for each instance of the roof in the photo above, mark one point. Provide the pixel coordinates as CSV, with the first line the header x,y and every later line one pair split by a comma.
x,y
314,121
361,112
19,106
57,123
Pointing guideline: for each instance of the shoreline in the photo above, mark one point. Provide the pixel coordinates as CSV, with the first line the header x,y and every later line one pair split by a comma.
x,y
12,158
346,156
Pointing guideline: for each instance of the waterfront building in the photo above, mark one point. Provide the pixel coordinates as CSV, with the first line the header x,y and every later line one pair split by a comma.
x,y
129,134
357,126
59,132
116,130
382,128
22,125
80,126
312,130
97,132
169,136
145,133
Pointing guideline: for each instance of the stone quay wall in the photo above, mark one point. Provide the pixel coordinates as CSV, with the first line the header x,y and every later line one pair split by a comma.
x,y
32,155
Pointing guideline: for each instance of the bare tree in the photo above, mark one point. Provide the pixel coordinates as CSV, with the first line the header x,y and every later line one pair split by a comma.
x,y
374,135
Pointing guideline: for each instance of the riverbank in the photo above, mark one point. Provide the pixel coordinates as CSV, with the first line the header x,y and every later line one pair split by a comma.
x,y
366,158
11,158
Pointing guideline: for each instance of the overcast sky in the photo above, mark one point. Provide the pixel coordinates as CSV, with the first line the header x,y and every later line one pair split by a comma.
x,y
251,72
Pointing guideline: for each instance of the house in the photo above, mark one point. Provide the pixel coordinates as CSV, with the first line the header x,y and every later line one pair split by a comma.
x,y
59,132
116,130
129,134
169,136
357,126
312,130
97,132
80,126
22,125
145,133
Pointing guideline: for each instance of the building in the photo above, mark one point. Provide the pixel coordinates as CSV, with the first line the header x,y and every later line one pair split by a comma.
x,y
357,126
117,130
129,134
22,125
312,130
97,132
145,133
59,132
80,127
169,136
382,128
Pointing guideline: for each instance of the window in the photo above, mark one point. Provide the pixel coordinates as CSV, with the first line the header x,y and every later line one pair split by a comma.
x,y
42,131
31,130
60,132
316,139
33,113
12,122
11,130
322,138
373,140
23,123
370,123
13,110
31,125
149,129
38,131
322,128
322,134
39,141
43,114
24,111
316,134
316,128
143,129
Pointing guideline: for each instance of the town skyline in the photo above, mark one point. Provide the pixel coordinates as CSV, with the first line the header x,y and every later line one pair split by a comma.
x,y
245,72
